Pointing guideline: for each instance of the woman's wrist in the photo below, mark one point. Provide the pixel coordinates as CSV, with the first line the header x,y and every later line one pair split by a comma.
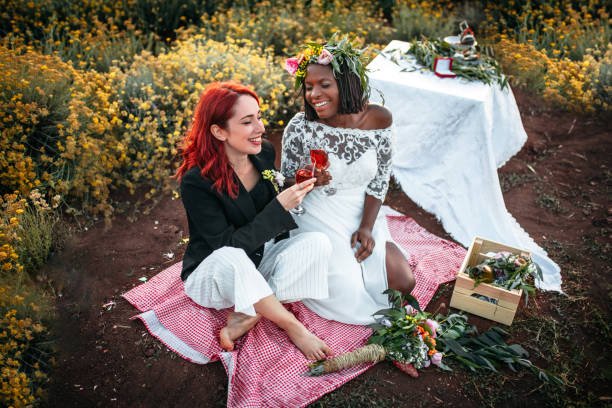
x,y
366,227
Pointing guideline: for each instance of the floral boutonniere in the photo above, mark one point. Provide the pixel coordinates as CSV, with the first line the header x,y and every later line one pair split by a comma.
x,y
275,177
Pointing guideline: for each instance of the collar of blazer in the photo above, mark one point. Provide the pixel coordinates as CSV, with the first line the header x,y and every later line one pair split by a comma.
x,y
261,165
244,201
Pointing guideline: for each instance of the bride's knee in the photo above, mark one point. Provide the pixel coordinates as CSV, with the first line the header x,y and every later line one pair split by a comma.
x,y
404,281
399,275
410,281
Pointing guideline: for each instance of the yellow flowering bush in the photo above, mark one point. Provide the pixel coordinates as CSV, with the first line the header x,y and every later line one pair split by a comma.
x,y
35,20
561,28
158,95
98,47
12,206
56,131
284,26
23,355
570,41
566,83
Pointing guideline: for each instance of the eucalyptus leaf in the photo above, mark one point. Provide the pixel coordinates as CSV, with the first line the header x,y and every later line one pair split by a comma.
x,y
519,350
382,312
469,364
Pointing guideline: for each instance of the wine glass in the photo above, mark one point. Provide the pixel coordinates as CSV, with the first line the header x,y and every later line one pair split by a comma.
x,y
321,160
305,172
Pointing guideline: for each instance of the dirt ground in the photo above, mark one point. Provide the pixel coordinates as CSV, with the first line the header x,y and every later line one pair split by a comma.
x,y
557,188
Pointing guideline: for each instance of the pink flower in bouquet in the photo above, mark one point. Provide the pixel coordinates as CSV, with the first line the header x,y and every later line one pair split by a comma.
x,y
436,358
433,326
502,254
410,310
291,65
520,262
325,57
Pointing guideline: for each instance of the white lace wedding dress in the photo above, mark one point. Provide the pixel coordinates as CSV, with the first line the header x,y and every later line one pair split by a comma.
x,y
360,164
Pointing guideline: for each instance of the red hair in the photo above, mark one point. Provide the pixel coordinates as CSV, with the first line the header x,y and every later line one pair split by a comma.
x,y
201,148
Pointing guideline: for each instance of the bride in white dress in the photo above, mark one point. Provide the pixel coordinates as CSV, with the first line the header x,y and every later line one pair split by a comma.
x,y
357,137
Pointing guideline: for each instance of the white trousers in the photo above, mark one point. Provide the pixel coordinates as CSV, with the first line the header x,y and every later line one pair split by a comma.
x,y
292,269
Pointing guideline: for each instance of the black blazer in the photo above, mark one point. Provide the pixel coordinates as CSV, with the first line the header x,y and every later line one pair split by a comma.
x,y
216,220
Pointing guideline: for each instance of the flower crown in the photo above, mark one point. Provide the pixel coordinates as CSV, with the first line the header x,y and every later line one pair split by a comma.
x,y
332,52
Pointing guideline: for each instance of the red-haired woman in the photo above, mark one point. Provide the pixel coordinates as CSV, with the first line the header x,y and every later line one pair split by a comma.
x,y
239,252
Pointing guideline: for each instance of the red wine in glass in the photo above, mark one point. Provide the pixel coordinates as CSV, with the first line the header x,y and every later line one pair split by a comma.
x,y
321,160
303,174
319,157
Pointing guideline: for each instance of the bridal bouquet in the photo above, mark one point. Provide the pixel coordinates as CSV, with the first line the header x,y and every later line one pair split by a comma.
x,y
408,335
412,339
404,335
507,270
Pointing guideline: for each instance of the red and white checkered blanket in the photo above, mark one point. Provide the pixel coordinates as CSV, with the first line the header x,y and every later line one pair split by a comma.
x,y
266,369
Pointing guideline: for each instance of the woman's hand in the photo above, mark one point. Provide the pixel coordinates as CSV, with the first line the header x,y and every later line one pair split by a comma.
x,y
293,196
323,177
364,236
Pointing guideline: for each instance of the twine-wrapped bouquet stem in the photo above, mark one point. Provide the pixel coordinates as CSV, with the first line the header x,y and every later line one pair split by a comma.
x,y
371,353
405,335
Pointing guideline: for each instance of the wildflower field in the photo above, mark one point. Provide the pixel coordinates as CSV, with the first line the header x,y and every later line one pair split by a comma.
x,y
96,95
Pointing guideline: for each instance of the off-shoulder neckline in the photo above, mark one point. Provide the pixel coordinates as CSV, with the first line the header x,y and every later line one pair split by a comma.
x,y
343,129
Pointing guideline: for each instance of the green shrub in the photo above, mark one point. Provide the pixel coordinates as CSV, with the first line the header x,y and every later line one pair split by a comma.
x,y
40,231
411,21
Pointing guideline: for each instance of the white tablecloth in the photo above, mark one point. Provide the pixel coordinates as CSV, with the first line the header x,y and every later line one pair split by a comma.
x,y
451,136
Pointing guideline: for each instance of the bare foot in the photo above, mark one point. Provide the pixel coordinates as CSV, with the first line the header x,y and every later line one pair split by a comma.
x,y
310,345
237,325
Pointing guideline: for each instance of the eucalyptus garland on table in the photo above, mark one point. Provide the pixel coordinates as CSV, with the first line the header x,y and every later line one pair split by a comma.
x,y
485,69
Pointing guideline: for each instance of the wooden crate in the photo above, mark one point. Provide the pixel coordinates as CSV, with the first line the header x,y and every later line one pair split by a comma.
x,y
507,301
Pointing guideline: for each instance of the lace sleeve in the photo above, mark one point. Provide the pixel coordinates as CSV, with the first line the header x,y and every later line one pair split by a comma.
x,y
293,148
384,151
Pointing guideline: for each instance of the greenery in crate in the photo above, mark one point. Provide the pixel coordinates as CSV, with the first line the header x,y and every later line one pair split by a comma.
x,y
508,271
485,68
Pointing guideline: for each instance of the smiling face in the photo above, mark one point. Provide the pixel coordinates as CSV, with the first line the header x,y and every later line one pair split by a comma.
x,y
243,132
321,90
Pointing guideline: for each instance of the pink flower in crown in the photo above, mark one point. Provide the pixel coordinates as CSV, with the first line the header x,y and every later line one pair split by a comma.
x,y
325,57
291,65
